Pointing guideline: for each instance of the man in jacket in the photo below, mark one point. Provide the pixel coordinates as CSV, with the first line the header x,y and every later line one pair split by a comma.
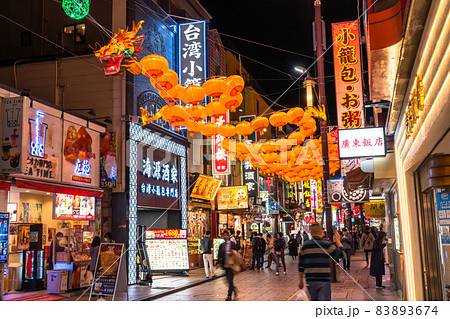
x,y
314,262
225,250
346,241
207,247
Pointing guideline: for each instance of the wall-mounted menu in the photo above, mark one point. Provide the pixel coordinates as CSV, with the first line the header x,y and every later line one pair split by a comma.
x,y
74,207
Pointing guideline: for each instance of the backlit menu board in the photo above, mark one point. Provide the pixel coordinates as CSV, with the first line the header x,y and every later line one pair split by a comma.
x,y
167,249
232,197
4,233
74,207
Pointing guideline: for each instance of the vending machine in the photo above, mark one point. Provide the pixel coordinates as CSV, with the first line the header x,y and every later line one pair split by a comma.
x,y
33,270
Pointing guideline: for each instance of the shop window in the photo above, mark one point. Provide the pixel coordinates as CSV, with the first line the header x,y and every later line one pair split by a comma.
x,y
77,31
25,38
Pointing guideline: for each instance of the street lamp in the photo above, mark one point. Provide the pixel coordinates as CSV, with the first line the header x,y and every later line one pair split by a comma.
x,y
309,84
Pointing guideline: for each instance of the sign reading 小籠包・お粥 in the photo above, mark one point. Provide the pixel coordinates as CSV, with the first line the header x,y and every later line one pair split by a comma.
x,y
347,74
158,179
365,142
192,52
221,157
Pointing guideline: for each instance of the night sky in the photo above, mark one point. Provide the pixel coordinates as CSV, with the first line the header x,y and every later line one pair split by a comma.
x,y
285,24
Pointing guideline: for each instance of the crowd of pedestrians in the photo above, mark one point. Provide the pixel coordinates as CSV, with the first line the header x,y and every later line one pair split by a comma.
x,y
314,255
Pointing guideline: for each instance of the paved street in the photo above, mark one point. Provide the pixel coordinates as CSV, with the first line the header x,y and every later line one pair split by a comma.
x,y
265,285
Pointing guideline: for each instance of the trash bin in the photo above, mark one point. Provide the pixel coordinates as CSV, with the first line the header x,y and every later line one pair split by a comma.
x,y
56,281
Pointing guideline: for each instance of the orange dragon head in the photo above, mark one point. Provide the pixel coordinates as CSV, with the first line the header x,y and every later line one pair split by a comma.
x,y
121,52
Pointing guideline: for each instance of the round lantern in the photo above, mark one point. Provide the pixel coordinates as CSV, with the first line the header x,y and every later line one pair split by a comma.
x,y
295,115
242,148
244,128
192,126
278,119
173,95
298,135
194,94
227,130
174,113
196,112
305,119
234,85
209,129
215,108
231,102
154,65
268,147
259,123
214,87
167,81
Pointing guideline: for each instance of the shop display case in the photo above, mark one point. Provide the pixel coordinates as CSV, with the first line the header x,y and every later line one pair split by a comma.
x,y
33,270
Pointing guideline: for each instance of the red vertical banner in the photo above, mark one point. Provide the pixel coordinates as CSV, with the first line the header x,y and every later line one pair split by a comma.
x,y
347,74
221,157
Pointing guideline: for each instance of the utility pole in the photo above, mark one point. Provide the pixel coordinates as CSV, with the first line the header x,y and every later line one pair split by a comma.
x,y
323,128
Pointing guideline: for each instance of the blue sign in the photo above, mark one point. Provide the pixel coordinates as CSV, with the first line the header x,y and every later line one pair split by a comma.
x,y
274,206
4,235
443,208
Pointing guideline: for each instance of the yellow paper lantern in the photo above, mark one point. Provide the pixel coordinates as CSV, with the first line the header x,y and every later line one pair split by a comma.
x,y
259,123
295,115
154,65
278,119
194,94
214,87
244,128
166,81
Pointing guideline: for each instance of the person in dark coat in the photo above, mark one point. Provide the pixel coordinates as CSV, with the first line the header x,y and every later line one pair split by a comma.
x,y
58,249
377,259
293,247
93,251
225,250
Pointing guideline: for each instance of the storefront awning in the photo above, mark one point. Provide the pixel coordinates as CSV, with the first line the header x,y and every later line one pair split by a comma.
x,y
5,186
58,189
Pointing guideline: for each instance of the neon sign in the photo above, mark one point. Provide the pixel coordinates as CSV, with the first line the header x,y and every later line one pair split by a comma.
x,y
82,168
159,172
37,140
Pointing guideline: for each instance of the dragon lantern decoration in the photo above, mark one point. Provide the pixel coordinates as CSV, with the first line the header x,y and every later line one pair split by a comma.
x,y
285,157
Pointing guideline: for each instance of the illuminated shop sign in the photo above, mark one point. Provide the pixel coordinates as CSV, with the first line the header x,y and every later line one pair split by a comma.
x,y
366,142
347,74
38,130
221,157
416,104
192,53
250,175
159,172
11,134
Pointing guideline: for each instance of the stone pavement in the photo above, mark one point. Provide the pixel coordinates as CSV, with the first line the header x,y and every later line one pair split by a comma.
x,y
264,285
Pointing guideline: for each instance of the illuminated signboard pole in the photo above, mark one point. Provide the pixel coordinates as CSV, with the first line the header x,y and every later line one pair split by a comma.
x,y
323,127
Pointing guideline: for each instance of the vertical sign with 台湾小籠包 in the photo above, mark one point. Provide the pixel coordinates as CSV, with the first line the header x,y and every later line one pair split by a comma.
x,y
192,53
250,175
11,134
347,74
221,157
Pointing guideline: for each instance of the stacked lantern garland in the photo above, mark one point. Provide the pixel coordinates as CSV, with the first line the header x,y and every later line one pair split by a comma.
x,y
285,157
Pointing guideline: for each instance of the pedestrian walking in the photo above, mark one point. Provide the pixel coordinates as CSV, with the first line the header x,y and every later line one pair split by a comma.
x,y
207,247
299,238
305,236
346,241
232,236
279,246
258,246
314,264
293,247
93,252
367,240
270,250
377,259
261,251
225,251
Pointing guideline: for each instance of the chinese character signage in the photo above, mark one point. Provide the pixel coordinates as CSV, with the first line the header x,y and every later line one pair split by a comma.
x,y
192,53
443,208
166,234
205,188
374,209
108,162
81,161
167,249
416,103
347,73
265,201
306,195
11,134
250,175
365,142
107,269
74,207
221,157
158,180
232,197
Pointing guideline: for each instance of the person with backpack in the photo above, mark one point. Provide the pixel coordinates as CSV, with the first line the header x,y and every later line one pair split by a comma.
x,y
258,248
279,247
367,241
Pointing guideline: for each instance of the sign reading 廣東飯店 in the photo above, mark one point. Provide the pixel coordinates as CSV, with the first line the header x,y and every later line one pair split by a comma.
x,y
192,53
158,180
347,73
364,142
